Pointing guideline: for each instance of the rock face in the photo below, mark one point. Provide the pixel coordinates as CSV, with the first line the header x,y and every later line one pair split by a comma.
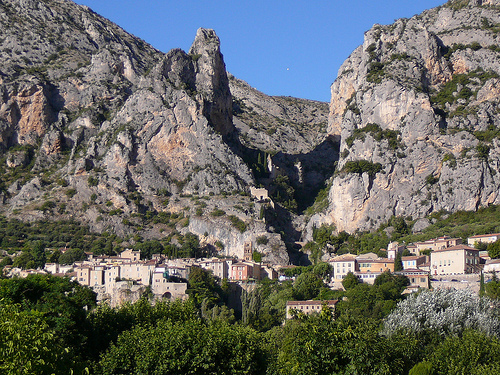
x,y
416,111
98,126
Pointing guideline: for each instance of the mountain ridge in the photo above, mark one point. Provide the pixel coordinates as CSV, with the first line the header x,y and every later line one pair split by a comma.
x,y
98,126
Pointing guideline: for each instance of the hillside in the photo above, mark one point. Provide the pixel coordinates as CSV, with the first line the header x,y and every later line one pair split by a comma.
x,y
416,111
98,126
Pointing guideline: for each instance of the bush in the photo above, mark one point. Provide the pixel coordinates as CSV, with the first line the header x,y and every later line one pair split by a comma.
x,y
444,312
92,181
71,192
217,212
362,166
238,223
262,240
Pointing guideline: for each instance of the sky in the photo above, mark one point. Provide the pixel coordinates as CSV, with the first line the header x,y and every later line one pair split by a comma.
x,y
290,48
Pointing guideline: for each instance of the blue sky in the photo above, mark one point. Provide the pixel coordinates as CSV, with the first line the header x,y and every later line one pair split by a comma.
x,y
291,48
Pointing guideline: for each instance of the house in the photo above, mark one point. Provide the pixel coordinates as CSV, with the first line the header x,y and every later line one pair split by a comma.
x,y
83,275
260,194
369,263
437,244
133,255
418,278
413,261
492,265
268,272
483,238
56,268
244,270
308,307
393,249
455,260
219,267
167,289
412,248
138,271
97,275
342,265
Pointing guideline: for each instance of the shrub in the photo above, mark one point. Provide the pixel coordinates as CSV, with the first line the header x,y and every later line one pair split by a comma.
x,y
362,166
71,192
217,212
92,181
431,179
444,311
238,223
262,240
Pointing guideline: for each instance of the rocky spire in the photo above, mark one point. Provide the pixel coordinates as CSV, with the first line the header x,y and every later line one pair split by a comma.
x,y
211,80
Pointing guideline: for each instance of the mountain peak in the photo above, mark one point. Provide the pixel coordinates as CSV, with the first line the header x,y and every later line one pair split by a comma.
x,y
206,40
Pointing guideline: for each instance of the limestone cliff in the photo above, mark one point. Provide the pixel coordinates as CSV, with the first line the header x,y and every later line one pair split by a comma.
x,y
416,111
98,126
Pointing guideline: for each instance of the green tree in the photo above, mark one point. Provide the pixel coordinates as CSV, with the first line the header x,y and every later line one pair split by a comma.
x,y
472,353
203,286
148,248
307,286
190,347
29,346
107,323
494,249
24,260
38,253
257,257
350,281
71,256
62,302
492,288
323,270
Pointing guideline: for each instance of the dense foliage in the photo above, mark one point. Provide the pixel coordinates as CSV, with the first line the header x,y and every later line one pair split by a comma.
x,y
52,325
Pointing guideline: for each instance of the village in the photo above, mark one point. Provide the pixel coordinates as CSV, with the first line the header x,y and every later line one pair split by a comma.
x,y
438,263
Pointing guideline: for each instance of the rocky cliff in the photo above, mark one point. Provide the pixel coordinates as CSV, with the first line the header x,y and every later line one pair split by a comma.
x,y
98,126
415,109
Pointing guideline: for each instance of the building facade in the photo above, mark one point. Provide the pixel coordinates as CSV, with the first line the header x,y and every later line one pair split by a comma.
x,y
456,260
308,307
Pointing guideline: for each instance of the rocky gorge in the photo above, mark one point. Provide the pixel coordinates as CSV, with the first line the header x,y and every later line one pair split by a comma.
x,y
99,127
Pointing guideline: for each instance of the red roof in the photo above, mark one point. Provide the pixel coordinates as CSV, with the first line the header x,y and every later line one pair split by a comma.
x,y
311,302
458,247
485,235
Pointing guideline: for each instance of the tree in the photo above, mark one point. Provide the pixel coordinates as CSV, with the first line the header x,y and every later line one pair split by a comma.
x,y
257,257
471,353
307,286
494,249
190,245
38,253
148,248
350,281
492,289
203,286
30,346
24,260
445,312
323,270
64,303
71,256
190,347
398,262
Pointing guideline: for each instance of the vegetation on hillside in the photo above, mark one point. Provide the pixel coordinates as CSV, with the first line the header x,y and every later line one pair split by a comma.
x,y
52,325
